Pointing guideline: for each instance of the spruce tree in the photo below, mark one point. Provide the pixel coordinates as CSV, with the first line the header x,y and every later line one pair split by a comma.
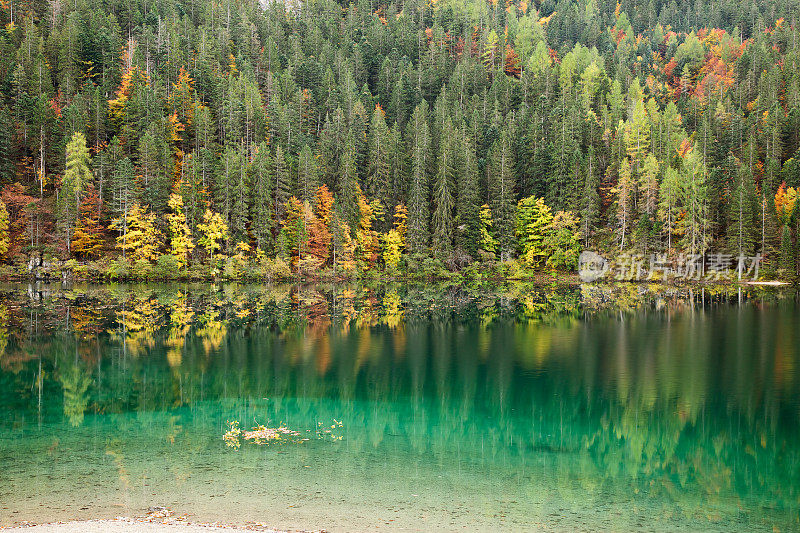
x,y
419,140
443,185
502,185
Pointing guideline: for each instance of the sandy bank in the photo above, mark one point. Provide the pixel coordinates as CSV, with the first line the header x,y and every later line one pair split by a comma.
x,y
125,525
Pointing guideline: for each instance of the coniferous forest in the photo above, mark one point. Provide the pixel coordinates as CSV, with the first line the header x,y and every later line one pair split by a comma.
x,y
236,139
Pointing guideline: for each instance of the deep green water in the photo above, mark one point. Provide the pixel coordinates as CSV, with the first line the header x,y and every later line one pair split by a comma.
x,y
485,409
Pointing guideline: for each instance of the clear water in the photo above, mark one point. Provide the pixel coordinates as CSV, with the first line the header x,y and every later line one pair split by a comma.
x,y
486,409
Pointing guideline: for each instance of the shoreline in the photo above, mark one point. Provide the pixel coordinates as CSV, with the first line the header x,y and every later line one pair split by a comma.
x,y
562,278
139,525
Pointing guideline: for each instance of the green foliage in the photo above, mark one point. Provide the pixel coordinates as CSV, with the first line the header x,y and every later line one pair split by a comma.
x,y
76,176
563,241
487,243
167,266
662,136
533,222
787,258
213,231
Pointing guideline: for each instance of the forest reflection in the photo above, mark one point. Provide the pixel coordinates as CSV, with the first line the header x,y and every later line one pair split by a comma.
x,y
670,393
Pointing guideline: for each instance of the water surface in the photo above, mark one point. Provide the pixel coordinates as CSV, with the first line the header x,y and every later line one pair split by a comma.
x,y
429,408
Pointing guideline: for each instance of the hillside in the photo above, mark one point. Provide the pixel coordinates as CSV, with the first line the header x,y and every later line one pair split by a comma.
x,y
397,137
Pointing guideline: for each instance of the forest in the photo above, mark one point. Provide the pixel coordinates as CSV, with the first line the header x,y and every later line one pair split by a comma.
x,y
171,138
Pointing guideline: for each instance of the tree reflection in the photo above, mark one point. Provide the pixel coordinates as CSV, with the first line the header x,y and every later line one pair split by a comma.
x,y
666,392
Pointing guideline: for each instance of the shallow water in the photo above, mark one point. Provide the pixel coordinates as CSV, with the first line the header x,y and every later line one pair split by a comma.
x,y
486,409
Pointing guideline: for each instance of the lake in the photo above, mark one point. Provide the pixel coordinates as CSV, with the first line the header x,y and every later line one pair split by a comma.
x,y
415,408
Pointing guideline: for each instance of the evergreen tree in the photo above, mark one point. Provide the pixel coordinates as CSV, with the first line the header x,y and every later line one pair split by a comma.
x,y
743,211
283,187
501,192
624,192
418,138
468,199
307,181
379,174
76,177
590,200
261,177
349,190
443,194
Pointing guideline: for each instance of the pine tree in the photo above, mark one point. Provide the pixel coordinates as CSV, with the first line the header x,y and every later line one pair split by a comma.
x,y
624,192
637,135
227,191
358,131
153,169
648,201
76,176
502,191
293,231
261,177
283,187
379,174
693,193
743,217
468,232
590,201
787,260
349,189
444,182
397,159
123,188
419,140
331,143
307,180
239,215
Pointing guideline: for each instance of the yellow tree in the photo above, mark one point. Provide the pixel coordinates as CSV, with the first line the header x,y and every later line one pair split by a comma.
x,y
140,238
785,199
181,244
392,249
400,222
487,242
213,230
182,101
87,240
318,227
5,239
394,242
367,239
120,107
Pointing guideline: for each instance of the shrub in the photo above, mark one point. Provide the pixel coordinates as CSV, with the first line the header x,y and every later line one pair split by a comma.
x,y
118,269
141,269
167,266
275,269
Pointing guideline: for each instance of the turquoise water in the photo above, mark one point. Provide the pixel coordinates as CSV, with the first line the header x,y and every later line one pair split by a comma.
x,y
417,408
